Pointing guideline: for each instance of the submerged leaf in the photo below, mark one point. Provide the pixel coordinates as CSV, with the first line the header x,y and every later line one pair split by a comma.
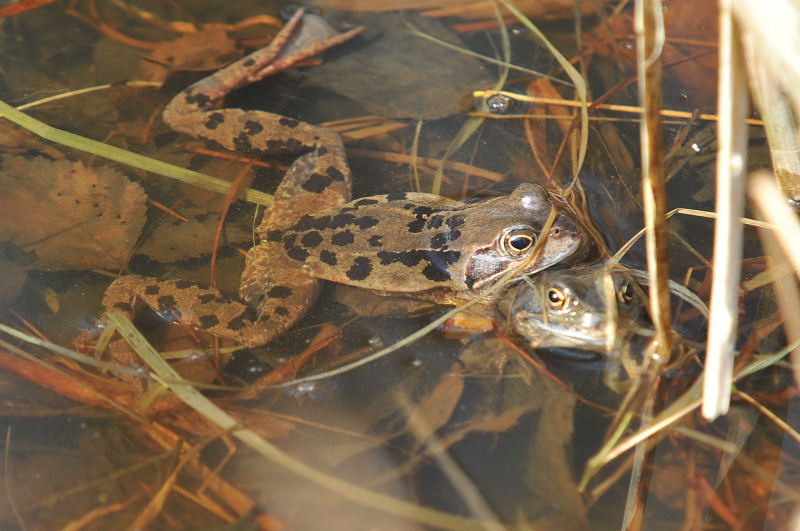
x,y
175,240
206,50
71,216
385,72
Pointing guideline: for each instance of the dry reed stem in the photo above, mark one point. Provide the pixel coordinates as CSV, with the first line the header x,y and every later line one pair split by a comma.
x,y
771,203
649,46
731,163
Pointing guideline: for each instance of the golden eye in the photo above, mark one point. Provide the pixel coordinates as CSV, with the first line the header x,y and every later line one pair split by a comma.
x,y
517,240
625,293
556,298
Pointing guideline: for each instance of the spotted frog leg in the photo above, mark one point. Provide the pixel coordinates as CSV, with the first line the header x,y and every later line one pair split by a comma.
x,y
274,291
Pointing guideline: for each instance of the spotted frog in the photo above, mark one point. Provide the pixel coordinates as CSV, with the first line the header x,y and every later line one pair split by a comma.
x,y
400,243
590,308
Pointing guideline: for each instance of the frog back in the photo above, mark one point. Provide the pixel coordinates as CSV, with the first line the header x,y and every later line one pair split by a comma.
x,y
380,242
414,242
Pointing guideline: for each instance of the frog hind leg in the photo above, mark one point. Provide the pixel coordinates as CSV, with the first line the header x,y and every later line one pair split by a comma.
x,y
192,111
206,309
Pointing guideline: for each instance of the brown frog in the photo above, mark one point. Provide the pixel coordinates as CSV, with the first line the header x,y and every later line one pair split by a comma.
x,y
598,308
400,243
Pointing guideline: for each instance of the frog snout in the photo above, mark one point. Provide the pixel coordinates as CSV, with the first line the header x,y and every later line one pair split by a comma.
x,y
570,235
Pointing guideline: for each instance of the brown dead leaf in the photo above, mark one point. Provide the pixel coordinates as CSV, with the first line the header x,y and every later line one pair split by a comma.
x,y
385,72
15,139
175,240
535,9
136,107
488,422
689,51
71,216
14,278
206,50
436,408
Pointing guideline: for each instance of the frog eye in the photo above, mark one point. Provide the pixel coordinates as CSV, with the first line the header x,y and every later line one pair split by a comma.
x,y
556,298
517,240
625,293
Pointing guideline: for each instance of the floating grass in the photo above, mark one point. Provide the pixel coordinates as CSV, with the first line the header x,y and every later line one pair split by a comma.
x,y
575,76
126,157
170,379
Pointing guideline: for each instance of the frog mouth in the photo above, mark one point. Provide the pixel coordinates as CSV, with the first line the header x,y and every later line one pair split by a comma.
x,y
560,336
565,243
589,337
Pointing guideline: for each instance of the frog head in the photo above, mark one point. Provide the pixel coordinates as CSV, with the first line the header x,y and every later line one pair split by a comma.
x,y
501,235
576,308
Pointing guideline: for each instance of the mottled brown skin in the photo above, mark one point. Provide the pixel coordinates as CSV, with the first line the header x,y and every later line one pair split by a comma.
x,y
410,243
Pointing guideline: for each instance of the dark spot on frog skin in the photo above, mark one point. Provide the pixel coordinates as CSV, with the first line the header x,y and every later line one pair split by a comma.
x,y
279,292
207,298
152,290
366,222
439,240
249,62
289,122
342,220
185,284
308,222
435,222
327,257
375,241
316,183
291,145
322,151
344,237
455,221
242,320
289,241
124,306
214,119
199,99
252,127
242,142
365,202
297,253
417,225
396,196
360,269
423,210
335,174
274,235
282,311
311,239
436,274
439,260
208,321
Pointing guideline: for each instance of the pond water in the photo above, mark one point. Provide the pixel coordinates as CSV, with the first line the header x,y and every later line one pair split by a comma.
x,y
459,428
